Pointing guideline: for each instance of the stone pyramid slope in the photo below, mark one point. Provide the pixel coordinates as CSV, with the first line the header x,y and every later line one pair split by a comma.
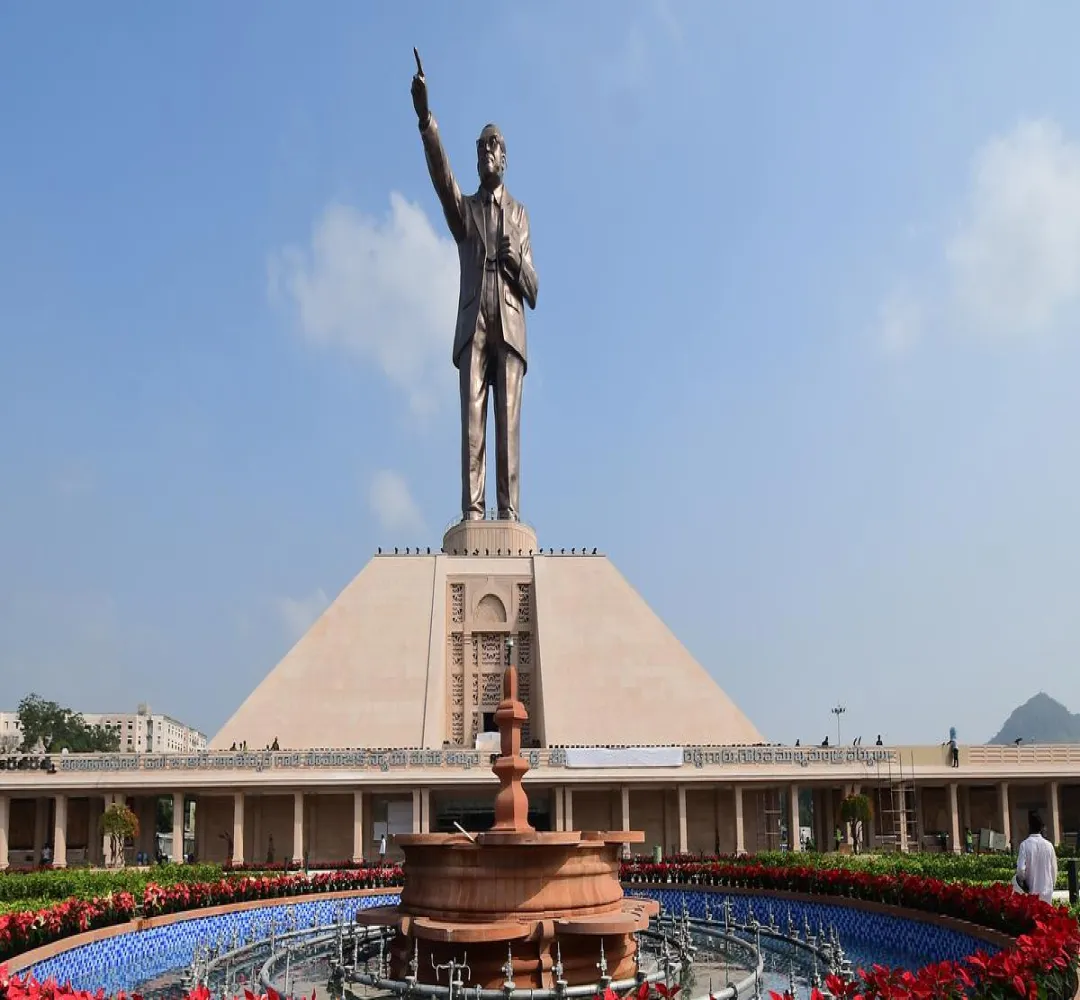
x,y
611,671
358,677
371,672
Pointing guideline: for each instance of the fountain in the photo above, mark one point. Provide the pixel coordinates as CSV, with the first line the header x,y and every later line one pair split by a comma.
x,y
528,909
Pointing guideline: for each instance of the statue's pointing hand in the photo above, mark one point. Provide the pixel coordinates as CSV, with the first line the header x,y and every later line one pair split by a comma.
x,y
419,91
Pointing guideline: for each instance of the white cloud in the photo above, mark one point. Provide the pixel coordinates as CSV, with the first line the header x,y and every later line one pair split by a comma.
x,y
1011,266
382,290
1014,262
393,504
298,614
900,322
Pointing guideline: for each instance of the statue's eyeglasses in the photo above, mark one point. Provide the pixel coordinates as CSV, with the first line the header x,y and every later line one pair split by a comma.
x,y
492,143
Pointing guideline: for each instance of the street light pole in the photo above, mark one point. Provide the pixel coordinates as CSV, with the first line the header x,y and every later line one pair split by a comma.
x,y
838,710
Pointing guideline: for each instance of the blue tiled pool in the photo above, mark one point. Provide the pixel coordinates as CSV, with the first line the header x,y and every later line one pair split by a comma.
x,y
866,937
127,961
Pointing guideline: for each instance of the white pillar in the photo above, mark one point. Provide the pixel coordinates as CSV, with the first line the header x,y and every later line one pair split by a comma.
x,y
178,827
417,810
740,833
60,833
1055,812
357,826
298,826
560,810
903,820
425,810
5,816
624,796
238,828
954,819
794,829
1003,807
684,840
568,807
107,858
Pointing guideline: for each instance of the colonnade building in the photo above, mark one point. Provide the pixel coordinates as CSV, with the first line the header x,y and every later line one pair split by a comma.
x,y
384,711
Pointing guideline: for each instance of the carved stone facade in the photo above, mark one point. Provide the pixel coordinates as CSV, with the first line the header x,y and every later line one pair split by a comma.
x,y
482,612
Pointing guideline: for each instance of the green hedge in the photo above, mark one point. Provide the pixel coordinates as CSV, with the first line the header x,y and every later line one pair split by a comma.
x,y
31,890
983,868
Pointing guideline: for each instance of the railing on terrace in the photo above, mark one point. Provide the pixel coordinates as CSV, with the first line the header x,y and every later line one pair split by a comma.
x,y
874,760
1033,753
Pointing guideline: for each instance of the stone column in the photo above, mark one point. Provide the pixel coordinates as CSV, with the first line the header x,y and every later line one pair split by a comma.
x,y
60,832
568,807
1054,826
794,829
740,831
1003,811
425,810
954,819
298,826
41,821
902,818
965,807
238,828
5,816
684,841
178,827
624,806
106,841
357,826
417,809
560,812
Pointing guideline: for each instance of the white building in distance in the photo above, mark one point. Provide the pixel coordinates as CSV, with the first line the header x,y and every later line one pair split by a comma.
x,y
141,731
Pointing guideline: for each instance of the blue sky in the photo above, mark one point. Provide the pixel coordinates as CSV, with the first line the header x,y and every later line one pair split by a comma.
x,y
803,363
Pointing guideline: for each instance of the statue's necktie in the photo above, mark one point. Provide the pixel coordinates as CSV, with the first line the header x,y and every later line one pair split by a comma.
x,y
491,222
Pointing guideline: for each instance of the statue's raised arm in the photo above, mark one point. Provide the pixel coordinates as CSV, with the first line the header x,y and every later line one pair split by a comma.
x,y
442,177
497,282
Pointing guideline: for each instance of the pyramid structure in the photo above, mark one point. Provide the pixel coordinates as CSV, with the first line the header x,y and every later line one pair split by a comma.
x,y
411,652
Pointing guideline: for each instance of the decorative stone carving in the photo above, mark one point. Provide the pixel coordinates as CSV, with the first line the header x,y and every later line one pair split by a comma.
x,y
457,652
475,690
491,650
524,652
457,729
524,603
457,603
457,691
490,611
492,690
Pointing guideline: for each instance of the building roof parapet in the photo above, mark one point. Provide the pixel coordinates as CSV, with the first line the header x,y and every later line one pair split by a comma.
x,y
589,764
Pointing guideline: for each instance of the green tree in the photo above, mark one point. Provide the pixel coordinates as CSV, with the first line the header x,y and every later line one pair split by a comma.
x,y
120,825
858,811
54,728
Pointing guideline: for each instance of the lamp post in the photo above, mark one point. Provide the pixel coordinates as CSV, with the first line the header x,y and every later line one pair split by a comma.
x,y
838,710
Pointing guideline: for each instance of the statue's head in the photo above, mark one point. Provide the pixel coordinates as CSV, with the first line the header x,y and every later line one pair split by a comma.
x,y
491,156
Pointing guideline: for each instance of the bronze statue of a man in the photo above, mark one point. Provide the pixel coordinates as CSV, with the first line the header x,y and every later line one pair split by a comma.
x,y
497,277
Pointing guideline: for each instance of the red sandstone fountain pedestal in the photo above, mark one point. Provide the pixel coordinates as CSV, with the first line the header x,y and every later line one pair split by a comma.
x,y
536,897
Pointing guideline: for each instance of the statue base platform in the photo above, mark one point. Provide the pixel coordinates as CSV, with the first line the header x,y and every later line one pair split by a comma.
x,y
490,538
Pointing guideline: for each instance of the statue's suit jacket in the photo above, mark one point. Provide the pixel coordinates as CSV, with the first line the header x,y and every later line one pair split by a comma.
x,y
465,216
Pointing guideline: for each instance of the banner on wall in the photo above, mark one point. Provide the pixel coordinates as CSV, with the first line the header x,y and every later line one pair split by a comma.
x,y
624,756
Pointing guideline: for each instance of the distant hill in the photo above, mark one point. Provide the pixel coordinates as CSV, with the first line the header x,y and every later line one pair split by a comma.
x,y
1040,720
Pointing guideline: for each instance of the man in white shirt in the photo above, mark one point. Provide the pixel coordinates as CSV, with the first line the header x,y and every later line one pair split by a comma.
x,y
1036,862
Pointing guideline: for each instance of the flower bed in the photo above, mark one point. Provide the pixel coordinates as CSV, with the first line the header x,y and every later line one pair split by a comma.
x,y
1042,964
20,932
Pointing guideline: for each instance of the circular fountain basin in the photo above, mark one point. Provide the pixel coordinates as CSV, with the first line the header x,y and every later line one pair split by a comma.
x,y
511,895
